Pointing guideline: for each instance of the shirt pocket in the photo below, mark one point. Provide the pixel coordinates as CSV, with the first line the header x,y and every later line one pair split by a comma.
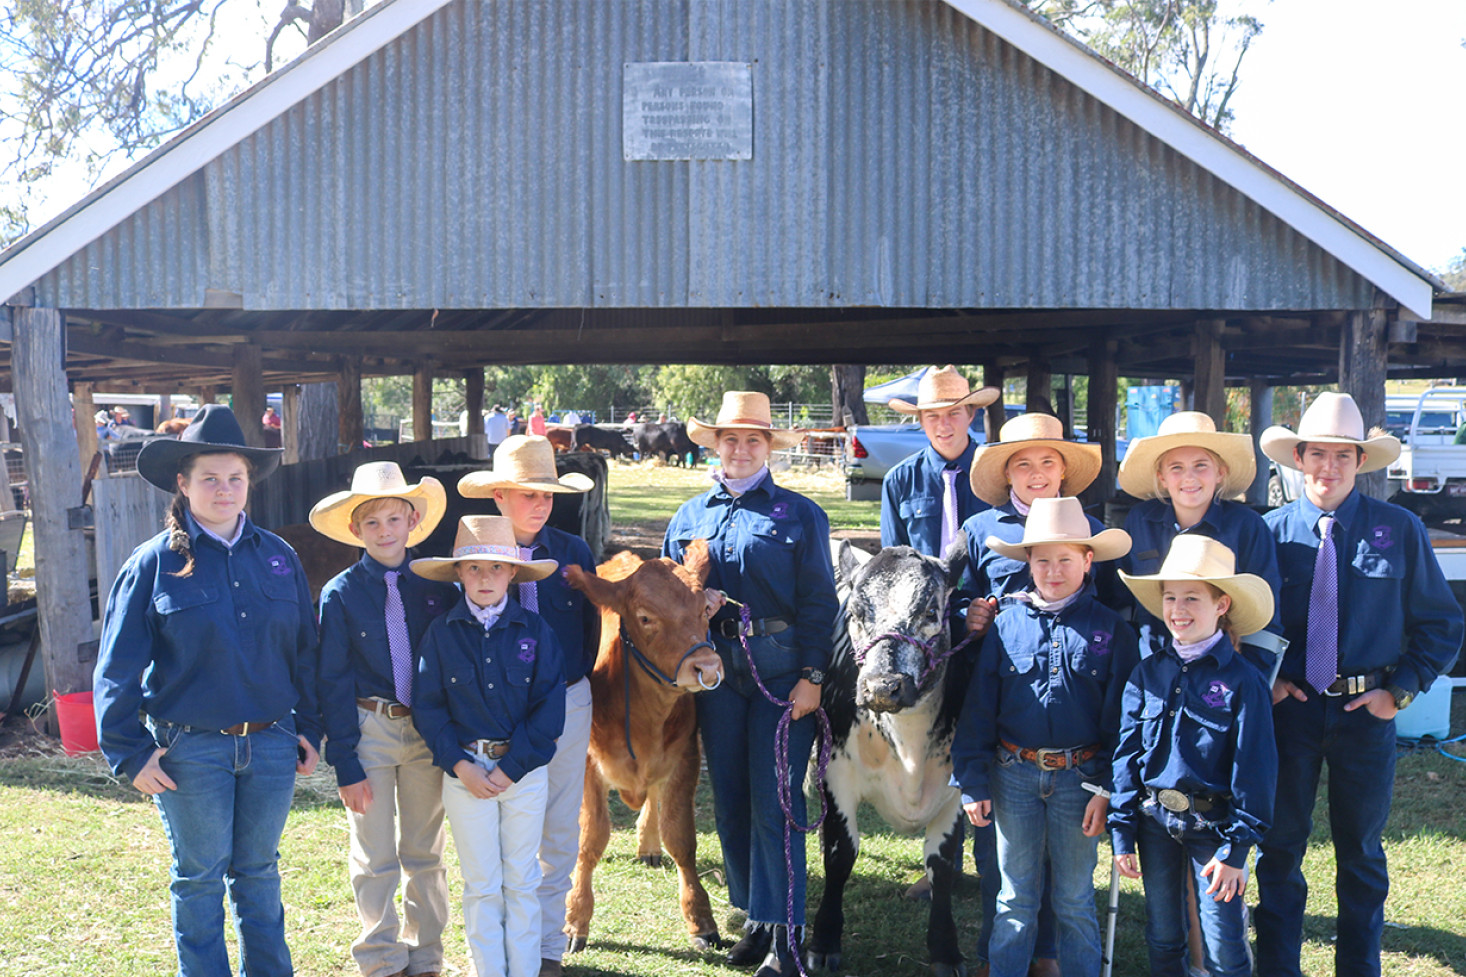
x,y
1370,564
1152,720
1019,661
1210,726
182,595
918,508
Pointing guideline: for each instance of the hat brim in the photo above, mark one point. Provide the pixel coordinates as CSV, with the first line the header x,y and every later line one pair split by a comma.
x,y
1278,442
780,438
442,567
990,480
1138,469
481,485
980,397
1107,544
158,460
331,517
1252,598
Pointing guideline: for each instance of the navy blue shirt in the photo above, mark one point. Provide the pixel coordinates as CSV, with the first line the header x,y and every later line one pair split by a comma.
x,y
770,549
1044,681
233,642
355,660
1152,528
1203,727
575,620
1396,610
506,683
991,574
911,499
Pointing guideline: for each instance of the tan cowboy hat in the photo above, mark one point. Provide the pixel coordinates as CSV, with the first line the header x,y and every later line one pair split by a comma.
x,y
743,410
331,517
1333,419
989,477
1062,521
1188,429
486,539
522,461
1197,557
940,389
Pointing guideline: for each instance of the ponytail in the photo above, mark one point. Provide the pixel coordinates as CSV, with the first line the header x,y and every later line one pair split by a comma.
x,y
176,522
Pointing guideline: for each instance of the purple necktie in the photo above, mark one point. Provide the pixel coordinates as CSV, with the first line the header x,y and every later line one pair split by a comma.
x,y
399,642
949,509
1321,666
529,599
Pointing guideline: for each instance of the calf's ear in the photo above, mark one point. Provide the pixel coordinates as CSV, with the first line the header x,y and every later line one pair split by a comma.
x,y
695,558
954,561
845,564
598,590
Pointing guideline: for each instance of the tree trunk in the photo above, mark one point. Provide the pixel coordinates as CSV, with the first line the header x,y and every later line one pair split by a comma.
x,y
422,404
847,395
348,406
326,16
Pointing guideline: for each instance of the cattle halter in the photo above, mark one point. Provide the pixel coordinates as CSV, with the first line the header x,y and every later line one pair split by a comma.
x,y
927,649
651,669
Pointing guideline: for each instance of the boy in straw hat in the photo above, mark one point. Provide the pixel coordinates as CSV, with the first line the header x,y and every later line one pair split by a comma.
x,y
491,703
1370,622
523,484
1037,727
373,617
1195,768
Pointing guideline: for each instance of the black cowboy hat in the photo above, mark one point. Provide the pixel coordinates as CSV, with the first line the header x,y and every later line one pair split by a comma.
x,y
213,430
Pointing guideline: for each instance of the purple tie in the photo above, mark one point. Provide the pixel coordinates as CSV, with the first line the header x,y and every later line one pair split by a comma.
x,y
949,508
1321,666
399,642
529,599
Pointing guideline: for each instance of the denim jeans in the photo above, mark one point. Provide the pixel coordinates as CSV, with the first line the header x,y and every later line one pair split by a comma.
x,y
1360,752
1040,813
560,843
224,824
1171,845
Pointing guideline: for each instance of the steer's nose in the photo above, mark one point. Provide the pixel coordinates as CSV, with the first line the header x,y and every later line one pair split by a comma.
x,y
886,692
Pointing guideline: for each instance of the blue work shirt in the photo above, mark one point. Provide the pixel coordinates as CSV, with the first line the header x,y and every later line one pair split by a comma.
x,y
911,499
1044,681
1152,528
770,550
1396,610
575,620
991,574
1200,727
233,642
506,683
356,662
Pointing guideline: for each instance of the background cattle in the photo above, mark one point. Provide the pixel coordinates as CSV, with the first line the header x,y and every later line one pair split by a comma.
x,y
596,437
668,441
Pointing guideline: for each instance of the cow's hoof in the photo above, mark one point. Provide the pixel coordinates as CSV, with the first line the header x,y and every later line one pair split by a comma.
x,y
653,860
575,944
704,942
949,969
818,960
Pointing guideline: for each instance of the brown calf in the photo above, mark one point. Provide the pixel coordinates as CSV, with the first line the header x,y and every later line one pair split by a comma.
x,y
652,761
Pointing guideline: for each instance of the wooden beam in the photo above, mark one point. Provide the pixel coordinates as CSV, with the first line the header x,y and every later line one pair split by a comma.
x,y
80,341
348,405
473,397
992,376
247,393
1210,370
1362,355
422,403
1100,418
83,410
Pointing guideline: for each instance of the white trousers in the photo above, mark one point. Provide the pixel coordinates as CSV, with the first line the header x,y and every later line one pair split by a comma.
x,y
560,845
498,841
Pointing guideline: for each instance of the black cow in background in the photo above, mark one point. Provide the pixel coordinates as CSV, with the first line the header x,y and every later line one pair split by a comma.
x,y
612,439
667,440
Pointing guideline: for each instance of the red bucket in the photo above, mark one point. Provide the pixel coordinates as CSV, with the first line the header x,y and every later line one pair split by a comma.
x,y
78,722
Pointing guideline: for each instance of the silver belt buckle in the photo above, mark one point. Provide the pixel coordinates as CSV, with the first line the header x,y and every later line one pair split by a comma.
x,y
1173,801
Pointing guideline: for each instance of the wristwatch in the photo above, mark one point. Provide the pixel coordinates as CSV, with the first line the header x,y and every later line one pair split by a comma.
x,y
813,676
1402,698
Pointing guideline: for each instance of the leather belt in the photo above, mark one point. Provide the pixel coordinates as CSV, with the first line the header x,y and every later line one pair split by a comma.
x,y
728,627
244,729
1178,801
392,710
492,749
1356,684
1053,759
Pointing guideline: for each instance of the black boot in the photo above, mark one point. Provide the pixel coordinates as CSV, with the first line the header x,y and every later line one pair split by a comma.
x,y
781,959
754,946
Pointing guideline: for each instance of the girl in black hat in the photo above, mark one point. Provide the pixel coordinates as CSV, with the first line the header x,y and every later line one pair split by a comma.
x,y
205,691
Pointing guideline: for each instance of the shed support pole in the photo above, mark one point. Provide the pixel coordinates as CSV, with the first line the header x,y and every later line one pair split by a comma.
x,y
1362,355
422,404
1211,390
1262,418
1100,418
992,376
473,397
247,397
64,607
84,409
165,409
1039,398
208,394
290,423
348,405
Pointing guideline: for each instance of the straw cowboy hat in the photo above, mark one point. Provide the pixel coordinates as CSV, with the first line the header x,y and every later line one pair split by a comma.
x,y
1197,557
1062,521
213,430
989,476
331,517
522,461
486,539
1332,419
743,410
940,389
1188,429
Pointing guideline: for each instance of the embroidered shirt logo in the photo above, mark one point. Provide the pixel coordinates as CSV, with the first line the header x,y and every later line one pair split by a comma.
x,y
1099,642
279,566
1382,537
1216,695
526,650
779,511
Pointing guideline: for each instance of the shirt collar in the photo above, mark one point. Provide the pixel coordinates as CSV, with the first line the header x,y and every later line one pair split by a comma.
x,y
195,530
377,570
1222,651
1343,515
487,616
719,494
936,462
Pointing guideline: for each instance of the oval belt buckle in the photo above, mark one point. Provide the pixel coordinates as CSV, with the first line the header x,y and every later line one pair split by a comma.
x,y
1173,800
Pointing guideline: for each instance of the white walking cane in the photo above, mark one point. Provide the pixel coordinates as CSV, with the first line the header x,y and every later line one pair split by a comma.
x,y
1114,911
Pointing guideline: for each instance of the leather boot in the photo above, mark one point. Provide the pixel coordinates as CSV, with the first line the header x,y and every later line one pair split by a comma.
x,y
753,947
781,959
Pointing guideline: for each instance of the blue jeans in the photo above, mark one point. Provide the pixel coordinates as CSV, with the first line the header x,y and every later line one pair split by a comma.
x,y
737,725
985,858
1039,814
224,824
1360,751
1171,845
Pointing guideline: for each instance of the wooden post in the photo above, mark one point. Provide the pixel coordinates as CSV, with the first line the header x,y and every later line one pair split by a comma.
x,y
247,396
319,420
422,403
348,406
1211,361
208,394
165,409
1362,354
1100,419
83,410
1066,405
992,376
290,423
1040,395
1261,396
473,396
63,603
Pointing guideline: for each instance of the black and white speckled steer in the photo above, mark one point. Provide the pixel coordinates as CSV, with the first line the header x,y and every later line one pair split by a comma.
x,y
893,705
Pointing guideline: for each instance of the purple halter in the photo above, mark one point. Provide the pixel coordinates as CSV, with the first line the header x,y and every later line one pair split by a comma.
x,y
927,648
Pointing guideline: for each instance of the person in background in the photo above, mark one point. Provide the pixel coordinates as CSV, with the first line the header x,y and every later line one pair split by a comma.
x,y
537,424
496,426
270,419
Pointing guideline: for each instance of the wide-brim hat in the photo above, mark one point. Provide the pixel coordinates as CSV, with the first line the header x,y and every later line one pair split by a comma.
x,y
743,410
1196,557
1188,429
522,461
940,389
213,430
1331,419
1062,520
331,517
484,538
989,476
